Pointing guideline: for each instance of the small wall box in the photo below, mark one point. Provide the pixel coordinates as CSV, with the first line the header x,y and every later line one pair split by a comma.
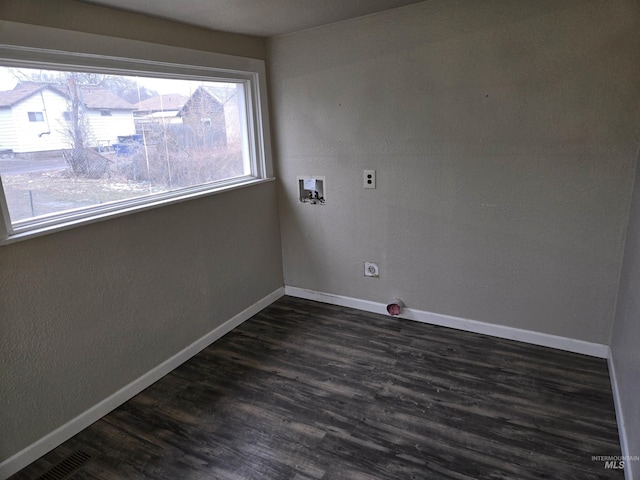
x,y
311,189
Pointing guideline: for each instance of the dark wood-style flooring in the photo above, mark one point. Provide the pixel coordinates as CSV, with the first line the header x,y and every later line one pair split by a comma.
x,y
307,391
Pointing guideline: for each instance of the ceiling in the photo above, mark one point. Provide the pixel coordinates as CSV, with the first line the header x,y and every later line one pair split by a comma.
x,y
265,18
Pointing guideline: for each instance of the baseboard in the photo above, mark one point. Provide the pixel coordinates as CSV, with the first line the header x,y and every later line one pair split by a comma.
x,y
622,433
500,331
34,451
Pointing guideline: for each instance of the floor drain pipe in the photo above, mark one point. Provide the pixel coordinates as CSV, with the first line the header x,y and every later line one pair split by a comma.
x,y
395,307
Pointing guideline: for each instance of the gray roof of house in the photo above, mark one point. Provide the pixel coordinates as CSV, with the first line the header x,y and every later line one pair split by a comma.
x,y
94,97
22,91
158,103
102,98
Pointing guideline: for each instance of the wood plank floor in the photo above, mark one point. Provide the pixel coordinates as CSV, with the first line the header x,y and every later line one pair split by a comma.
x,y
307,391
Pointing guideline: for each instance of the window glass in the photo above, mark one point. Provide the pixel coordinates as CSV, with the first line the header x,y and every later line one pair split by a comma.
x,y
75,140
35,116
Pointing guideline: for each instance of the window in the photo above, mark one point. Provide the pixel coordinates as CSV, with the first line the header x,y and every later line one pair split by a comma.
x,y
121,136
36,116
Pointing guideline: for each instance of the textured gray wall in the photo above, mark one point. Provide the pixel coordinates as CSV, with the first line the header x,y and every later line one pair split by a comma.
x,y
86,311
503,134
81,17
625,340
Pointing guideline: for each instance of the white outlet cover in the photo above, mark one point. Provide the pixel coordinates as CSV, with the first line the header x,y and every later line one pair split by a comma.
x,y
371,269
369,179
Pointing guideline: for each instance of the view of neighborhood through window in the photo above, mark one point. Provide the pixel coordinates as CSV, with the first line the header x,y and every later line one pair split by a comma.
x,y
72,140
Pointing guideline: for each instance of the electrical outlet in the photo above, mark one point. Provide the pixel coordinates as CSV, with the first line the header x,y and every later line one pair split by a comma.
x,y
371,269
369,179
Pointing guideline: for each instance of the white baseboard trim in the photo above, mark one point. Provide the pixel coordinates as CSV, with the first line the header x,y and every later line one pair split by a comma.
x,y
500,331
622,433
47,443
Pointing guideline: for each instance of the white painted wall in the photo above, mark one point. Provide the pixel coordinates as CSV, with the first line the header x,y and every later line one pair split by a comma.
x,y
106,129
504,136
7,132
27,134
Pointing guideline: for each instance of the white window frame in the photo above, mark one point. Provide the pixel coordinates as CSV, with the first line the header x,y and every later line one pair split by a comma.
x,y
23,49
35,117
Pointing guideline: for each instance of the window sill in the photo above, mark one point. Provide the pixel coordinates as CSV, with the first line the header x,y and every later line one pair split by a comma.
x,y
126,210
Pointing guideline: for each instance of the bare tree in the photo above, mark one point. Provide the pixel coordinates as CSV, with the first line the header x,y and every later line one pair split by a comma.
x,y
83,161
79,133
127,88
